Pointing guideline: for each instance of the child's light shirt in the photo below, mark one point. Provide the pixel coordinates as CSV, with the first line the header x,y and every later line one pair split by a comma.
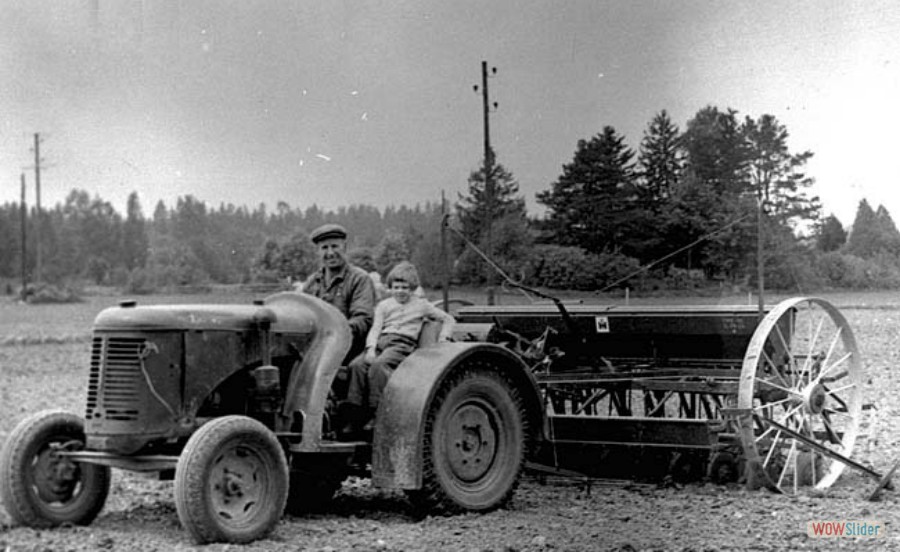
x,y
407,319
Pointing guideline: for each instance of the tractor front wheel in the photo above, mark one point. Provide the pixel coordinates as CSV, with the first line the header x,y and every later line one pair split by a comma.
x,y
40,486
474,443
231,481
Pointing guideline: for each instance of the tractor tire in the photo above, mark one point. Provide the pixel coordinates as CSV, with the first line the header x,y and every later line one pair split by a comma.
x,y
41,489
474,444
231,481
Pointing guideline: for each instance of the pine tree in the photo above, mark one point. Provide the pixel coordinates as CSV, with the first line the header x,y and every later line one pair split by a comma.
x,y
716,151
591,203
480,206
776,175
863,239
830,234
135,241
887,232
482,214
661,161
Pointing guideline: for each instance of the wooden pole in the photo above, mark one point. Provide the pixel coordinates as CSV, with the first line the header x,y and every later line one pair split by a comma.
x,y
445,254
488,184
24,216
38,275
760,262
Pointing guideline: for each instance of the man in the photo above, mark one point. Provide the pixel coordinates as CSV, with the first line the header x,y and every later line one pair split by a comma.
x,y
346,287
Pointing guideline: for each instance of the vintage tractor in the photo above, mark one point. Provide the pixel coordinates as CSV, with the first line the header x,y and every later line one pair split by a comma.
x,y
233,402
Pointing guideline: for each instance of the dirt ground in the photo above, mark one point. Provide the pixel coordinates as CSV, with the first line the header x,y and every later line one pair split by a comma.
x,y
556,514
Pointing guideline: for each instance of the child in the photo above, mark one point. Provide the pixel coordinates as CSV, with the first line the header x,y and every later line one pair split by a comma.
x,y
393,336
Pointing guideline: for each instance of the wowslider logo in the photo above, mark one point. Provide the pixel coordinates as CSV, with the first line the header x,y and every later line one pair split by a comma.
x,y
838,529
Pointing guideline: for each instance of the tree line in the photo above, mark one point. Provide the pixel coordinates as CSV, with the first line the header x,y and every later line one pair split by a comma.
x,y
683,209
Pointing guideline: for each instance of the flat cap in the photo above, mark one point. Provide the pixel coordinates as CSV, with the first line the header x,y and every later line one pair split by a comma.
x,y
328,231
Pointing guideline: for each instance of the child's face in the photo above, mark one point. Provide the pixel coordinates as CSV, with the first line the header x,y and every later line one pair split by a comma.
x,y
400,290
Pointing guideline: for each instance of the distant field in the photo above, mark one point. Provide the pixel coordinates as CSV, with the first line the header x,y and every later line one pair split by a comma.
x,y
73,321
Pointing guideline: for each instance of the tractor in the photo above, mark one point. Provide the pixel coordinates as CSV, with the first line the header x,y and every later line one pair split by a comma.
x,y
236,404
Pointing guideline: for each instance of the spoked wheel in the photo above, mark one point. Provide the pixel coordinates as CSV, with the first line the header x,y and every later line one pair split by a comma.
x,y
231,482
41,487
799,400
474,445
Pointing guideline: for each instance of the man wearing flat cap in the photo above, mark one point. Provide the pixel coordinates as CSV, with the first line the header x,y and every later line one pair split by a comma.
x,y
345,286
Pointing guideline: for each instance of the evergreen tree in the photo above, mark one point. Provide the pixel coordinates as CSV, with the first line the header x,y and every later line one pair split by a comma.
x,y
135,242
392,249
887,232
96,228
775,173
717,173
482,205
661,161
716,151
863,240
830,234
295,259
591,204
661,168
480,213
10,240
160,218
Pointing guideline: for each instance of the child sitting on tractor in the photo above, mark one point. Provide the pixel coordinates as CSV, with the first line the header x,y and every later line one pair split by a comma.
x,y
393,337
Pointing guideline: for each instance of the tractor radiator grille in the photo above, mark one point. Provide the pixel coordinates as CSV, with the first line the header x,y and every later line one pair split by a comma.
x,y
115,380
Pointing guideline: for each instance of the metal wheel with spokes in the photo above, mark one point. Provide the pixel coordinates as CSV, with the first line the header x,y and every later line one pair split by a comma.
x,y
800,396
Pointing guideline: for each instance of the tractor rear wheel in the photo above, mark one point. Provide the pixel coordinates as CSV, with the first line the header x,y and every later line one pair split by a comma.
x,y
231,481
474,443
40,487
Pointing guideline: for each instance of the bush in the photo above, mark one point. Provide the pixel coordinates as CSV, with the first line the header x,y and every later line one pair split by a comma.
x,y
141,281
47,293
560,267
683,278
794,270
848,271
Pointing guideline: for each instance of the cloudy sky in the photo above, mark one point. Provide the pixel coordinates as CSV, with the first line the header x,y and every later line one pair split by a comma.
x,y
339,102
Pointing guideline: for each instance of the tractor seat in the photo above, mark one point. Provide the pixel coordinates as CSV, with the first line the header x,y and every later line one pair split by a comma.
x,y
430,332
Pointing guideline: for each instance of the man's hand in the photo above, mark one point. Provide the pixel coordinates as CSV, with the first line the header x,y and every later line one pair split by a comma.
x,y
370,355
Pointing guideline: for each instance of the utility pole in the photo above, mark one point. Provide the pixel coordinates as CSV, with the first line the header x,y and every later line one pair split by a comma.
x,y
445,254
38,275
488,180
760,261
24,216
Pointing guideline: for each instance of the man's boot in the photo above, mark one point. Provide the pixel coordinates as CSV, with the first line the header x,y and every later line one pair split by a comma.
x,y
369,425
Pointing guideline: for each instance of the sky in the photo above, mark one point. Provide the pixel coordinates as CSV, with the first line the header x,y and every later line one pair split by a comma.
x,y
334,103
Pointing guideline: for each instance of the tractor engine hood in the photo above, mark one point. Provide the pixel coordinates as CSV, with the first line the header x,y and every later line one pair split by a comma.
x,y
279,316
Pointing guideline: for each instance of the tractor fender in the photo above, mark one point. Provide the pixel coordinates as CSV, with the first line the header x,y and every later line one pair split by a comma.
x,y
310,382
400,420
